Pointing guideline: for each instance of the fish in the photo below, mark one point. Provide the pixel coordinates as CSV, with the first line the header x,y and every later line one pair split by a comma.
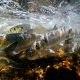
x,y
43,47
23,39
5,54
39,46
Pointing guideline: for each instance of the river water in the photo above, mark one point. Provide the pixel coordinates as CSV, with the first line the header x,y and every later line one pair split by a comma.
x,y
63,15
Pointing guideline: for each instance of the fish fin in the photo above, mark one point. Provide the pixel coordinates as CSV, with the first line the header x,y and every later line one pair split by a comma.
x,y
10,47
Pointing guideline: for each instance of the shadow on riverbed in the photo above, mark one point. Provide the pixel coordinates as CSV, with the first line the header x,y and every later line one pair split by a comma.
x,y
61,74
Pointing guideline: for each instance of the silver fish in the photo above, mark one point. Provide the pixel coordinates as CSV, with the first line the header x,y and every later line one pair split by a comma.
x,y
43,46
39,45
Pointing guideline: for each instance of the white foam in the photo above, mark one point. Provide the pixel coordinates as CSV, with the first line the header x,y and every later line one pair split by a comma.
x,y
60,16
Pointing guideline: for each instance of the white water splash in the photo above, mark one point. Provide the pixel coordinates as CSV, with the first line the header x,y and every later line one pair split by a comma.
x,y
48,17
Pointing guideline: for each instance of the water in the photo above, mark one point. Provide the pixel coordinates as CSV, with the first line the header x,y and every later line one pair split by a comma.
x,y
64,14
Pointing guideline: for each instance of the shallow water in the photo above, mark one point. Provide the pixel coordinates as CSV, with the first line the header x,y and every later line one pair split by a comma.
x,y
62,15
